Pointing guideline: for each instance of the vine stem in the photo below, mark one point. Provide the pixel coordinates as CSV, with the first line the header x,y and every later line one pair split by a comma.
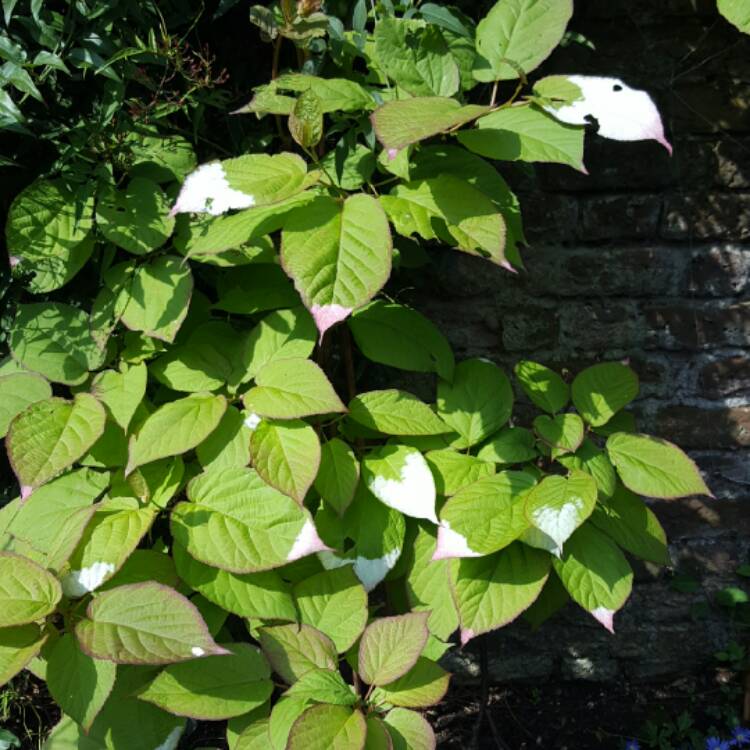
x,y
493,97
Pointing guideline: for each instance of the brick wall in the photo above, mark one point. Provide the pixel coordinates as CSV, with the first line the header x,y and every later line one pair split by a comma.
x,y
646,259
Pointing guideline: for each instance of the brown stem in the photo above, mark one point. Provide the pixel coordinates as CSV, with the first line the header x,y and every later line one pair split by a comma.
x,y
493,97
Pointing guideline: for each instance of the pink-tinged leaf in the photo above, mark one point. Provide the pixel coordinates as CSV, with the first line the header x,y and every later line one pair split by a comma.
x,y
466,635
392,153
13,261
26,490
451,544
307,542
326,316
605,617
623,114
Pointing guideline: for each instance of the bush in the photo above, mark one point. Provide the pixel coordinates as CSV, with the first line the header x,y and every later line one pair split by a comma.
x,y
148,574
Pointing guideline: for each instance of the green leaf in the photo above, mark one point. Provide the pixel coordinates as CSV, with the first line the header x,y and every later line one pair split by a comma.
x,y
390,647
48,231
428,584
335,603
282,334
175,428
145,565
654,468
18,646
111,536
623,421
599,392
553,598
243,182
206,361
349,165
306,120
452,471
736,12
394,412
121,392
593,461
228,445
401,122
512,445
323,686
50,436
292,388
543,386
144,623
293,650
477,403
556,507
27,591
284,713
55,341
238,523
155,483
377,735
136,219
262,596
160,158
79,684
214,688
595,574
633,525
339,255
416,57
409,730
400,478
519,34
451,209
398,336
562,434
325,727
424,685
17,392
286,455
69,735
525,133
157,297
492,591
338,475
484,517
255,288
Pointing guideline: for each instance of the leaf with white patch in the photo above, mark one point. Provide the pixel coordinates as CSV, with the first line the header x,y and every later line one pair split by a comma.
x,y
556,507
111,536
390,647
236,522
517,36
262,596
214,688
401,479
144,623
286,454
525,133
27,591
295,649
622,113
292,388
50,435
395,412
492,591
335,603
484,517
595,573
338,476
79,684
478,401
243,182
175,428
653,467
18,391
339,255
600,391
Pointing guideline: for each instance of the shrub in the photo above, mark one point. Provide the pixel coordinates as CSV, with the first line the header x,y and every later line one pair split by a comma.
x,y
147,573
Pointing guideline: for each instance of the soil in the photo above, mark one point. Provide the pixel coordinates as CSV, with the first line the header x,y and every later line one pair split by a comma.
x,y
552,716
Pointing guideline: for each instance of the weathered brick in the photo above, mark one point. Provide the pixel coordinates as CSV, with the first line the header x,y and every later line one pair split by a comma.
x,y
682,325
707,215
617,217
728,376
700,427
700,108
529,329
718,271
600,326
